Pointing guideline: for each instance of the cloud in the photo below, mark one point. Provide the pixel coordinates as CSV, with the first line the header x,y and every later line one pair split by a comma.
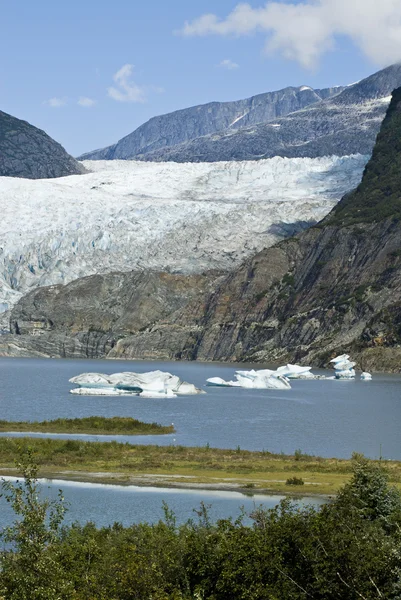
x,y
86,102
126,90
56,102
304,31
227,63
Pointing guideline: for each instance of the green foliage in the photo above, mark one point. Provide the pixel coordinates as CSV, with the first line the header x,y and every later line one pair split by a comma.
x,y
295,481
349,549
31,569
100,425
378,197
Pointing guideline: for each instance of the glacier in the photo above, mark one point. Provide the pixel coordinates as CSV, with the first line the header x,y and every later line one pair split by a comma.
x,y
130,215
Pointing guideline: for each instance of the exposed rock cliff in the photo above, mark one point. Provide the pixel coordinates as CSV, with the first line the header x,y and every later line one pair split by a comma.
x,y
294,122
334,287
344,124
190,123
26,151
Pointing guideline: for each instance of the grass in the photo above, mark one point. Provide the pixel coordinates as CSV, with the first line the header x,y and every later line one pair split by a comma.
x,y
172,465
89,425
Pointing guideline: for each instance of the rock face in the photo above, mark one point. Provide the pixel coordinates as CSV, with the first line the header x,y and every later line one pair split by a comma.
x,y
26,151
335,287
89,316
295,122
190,123
346,123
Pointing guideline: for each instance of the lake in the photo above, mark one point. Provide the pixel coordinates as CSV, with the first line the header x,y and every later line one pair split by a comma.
x,y
326,418
105,504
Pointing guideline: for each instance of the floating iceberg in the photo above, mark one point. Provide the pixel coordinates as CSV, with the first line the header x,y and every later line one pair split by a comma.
x,y
366,376
154,384
296,372
344,368
256,380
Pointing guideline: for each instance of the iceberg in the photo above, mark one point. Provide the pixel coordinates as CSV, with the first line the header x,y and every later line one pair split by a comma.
x,y
256,380
366,376
344,368
296,372
153,384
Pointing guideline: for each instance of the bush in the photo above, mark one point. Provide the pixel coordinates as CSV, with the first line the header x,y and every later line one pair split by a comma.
x,y
295,481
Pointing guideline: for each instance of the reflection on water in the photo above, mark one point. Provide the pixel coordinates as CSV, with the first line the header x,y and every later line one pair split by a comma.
x,y
104,504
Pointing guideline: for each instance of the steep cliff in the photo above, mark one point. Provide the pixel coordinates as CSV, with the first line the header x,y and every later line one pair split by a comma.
x,y
187,124
346,123
26,151
334,287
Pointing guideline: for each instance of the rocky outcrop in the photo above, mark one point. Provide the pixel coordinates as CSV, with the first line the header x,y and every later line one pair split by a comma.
x,y
184,125
335,287
91,316
28,152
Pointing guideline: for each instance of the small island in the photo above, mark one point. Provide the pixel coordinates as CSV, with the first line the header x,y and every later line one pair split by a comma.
x,y
88,425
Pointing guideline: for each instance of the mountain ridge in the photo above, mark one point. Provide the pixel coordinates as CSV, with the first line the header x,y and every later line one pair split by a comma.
x,y
185,124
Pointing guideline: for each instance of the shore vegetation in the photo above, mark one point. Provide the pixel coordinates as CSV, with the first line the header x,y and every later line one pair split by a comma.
x,y
88,425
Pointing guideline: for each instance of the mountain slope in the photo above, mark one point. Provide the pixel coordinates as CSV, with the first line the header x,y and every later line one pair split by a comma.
x,y
26,151
332,288
346,123
190,123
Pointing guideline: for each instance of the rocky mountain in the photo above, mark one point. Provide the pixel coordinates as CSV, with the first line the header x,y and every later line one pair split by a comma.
x,y
346,123
294,122
181,126
333,288
26,151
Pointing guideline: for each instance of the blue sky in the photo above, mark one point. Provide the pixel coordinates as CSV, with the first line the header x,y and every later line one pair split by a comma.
x,y
59,60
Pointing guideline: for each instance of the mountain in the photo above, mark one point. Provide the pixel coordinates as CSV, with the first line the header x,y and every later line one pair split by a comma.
x,y
294,122
128,215
344,124
26,151
335,287
184,125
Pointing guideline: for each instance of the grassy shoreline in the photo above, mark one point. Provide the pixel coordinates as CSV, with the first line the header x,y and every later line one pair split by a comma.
x,y
88,425
179,466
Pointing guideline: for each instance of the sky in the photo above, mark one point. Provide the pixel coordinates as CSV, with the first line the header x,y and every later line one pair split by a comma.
x,y
89,72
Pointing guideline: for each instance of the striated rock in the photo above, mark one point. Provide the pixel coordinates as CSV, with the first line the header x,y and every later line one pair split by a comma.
x,y
294,122
26,151
190,123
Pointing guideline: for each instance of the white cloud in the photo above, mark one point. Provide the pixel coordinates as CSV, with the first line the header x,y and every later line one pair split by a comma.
x,y
227,63
86,102
305,31
126,89
56,102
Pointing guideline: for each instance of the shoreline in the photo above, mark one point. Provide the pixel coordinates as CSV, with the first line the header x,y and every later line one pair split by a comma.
x,y
149,480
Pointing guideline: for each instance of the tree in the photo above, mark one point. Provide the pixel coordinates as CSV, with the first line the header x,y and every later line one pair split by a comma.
x,y
30,569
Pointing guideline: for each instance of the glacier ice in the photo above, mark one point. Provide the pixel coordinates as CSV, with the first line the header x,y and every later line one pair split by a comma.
x,y
366,376
257,380
128,215
344,368
153,384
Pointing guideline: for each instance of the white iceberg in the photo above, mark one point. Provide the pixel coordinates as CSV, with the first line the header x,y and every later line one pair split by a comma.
x,y
366,376
256,380
296,372
154,383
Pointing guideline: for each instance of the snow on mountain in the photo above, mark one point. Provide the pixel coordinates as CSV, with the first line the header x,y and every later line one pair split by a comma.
x,y
126,215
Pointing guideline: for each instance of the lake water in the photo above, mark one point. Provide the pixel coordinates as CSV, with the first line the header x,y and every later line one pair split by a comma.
x,y
326,418
105,504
